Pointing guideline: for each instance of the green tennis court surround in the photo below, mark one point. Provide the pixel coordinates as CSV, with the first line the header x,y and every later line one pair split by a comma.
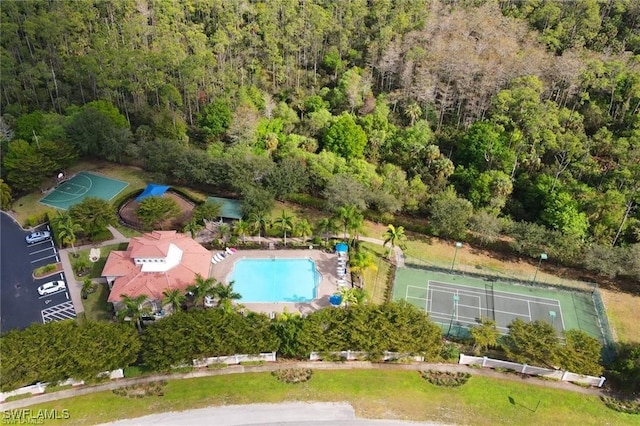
x,y
456,302
81,186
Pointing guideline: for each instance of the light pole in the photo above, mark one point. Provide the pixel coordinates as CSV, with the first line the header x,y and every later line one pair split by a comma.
x,y
456,298
543,256
458,245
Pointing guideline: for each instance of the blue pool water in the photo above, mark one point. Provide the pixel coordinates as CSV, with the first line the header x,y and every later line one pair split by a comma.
x,y
275,280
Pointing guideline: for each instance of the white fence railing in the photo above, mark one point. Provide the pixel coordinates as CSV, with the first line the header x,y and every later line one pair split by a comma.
x,y
39,388
235,359
358,355
560,375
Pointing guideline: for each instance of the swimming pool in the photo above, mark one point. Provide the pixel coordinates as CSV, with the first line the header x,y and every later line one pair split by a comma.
x,y
275,280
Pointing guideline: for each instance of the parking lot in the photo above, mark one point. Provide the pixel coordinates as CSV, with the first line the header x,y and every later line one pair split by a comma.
x,y
21,305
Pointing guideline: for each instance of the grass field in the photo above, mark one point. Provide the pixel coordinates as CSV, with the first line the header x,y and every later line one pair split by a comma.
x,y
375,279
623,311
95,305
398,395
97,267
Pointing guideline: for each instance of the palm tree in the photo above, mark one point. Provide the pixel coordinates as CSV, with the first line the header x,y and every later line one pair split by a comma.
x,y
192,227
226,296
173,297
242,228
394,236
225,231
326,227
349,218
87,287
348,296
67,230
133,310
303,227
359,262
258,221
413,112
284,223
201,288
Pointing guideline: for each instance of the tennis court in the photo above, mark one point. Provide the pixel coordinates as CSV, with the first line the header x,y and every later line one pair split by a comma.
x,y
81,186
458,302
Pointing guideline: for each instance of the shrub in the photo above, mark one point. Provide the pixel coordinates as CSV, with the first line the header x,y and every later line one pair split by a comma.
x,y
249,363
37,219
450,352
217,366
81,266
103,235
45,269
445,378
293,375
142,390
623,406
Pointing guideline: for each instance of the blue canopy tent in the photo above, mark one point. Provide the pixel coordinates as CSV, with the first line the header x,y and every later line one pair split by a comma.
x,y
152,190
342,248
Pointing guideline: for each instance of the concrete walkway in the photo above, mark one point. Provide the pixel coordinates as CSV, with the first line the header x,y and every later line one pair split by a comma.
x,y
74,286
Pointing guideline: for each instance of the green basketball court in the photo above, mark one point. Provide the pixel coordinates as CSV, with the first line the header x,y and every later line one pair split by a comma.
x,y
458,302
81,186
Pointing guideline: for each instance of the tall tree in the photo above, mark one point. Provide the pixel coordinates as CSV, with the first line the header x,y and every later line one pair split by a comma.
x,y
133,310
192,227
5,196
201,288
242,228
284,222
359,262
259,222
174,298
484,335
226,296
326,227
67,229
152,211
394,236
93,215
303,228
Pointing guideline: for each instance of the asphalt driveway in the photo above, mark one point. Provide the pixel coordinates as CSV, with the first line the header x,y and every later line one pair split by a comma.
x,y
20,303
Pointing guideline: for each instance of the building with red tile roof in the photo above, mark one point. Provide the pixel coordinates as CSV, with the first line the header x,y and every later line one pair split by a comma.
x,y
153,263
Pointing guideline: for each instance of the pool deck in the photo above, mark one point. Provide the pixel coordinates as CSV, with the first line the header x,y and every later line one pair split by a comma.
x,y
326,263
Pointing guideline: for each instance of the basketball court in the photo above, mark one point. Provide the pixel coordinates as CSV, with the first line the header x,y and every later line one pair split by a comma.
x,y
81,186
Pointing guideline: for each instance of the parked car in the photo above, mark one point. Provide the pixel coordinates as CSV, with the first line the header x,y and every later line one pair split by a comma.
x,y
38,236
51,287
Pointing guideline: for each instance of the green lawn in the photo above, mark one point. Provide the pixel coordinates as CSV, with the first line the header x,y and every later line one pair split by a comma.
x,y
95,305
96,268
374,394
375,279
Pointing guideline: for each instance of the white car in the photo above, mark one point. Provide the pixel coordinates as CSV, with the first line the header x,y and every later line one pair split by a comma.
x,y
38,236
51,287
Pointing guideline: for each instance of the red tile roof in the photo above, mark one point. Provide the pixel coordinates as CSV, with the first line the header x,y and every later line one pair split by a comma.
x,y
130,279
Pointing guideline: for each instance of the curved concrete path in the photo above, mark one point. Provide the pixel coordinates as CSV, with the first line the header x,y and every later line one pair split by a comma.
x,y
290,413
74,286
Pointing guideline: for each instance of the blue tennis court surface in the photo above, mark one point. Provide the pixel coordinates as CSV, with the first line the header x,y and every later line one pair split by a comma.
x,y
81,186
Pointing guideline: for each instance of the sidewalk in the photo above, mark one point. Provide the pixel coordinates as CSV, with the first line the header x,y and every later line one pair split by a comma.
x,y
74,286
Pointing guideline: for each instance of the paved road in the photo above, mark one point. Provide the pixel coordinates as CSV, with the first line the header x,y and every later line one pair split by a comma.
x,y
20,304
294,413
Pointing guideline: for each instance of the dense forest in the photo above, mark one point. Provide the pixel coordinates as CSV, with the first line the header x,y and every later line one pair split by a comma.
x,y
482,118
